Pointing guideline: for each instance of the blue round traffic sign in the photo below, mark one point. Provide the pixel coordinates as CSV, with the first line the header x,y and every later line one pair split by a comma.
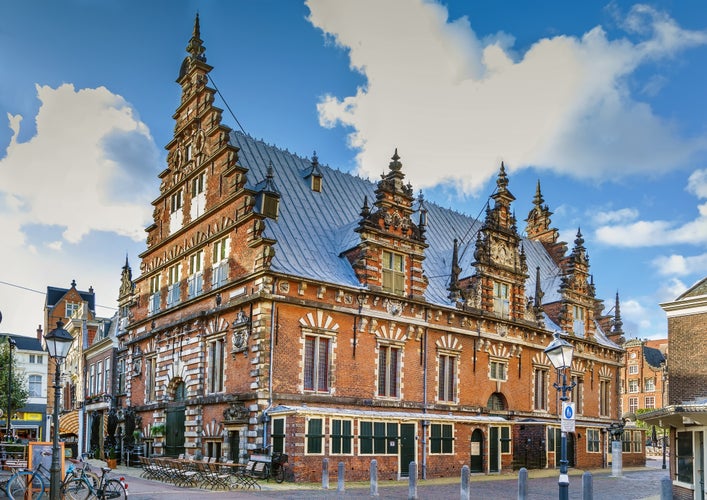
x,y
569,412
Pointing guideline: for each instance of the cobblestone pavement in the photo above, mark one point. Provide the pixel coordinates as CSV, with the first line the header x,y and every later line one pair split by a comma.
x,y
634,484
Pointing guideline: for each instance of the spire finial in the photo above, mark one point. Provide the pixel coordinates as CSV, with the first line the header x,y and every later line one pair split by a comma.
x,y
502,181
395,165
196,48
538,199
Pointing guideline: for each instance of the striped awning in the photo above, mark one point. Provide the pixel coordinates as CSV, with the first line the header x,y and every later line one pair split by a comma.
x,y
69,423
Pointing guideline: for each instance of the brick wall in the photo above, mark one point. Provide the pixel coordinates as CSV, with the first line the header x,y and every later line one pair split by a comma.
x,y
687,336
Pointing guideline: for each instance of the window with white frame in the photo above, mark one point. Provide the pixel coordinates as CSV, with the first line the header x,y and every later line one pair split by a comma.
x,y
633,386
278,435
91,380
316,363
378,438
593,440
604,397
540,388
393,272
195,282
153,301
447,383
121,376
577,395
441,439
341,436
578,324
216,365
99,378
314,437
174,276
649,385
176,215
219,262
501,298
632,405
649,402
632,369
106,376
389,370
35,386
198,195
71,308
498,370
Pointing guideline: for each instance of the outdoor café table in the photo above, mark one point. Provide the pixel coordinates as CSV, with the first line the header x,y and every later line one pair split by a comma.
x,y
240,478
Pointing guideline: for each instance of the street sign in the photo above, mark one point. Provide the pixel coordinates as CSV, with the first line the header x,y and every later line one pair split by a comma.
x,y
567,417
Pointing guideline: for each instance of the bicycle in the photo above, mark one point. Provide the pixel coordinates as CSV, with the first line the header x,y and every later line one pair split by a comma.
x,y
27,481
82,488
277,470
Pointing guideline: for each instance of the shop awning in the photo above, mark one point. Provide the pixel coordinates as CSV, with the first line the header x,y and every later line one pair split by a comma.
x,y
69,423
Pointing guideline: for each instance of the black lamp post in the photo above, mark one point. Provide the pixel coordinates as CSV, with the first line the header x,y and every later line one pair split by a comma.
x,y
560,353
58,343
8,432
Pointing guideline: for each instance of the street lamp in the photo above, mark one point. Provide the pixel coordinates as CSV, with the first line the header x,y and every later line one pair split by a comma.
x,y
58,343
560,353
8,432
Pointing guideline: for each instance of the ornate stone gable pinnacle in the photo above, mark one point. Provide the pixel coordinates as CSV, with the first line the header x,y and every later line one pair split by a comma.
x,y
454,290
126,281
196,48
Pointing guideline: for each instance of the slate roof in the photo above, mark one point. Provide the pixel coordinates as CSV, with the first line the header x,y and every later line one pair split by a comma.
x,y
314,228
55,294
25,343
653,356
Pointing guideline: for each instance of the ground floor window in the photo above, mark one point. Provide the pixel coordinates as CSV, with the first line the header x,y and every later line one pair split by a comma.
x,y
213,449
592,440
505,440
315,436
441,439
378,438
341,436
685,457
278,435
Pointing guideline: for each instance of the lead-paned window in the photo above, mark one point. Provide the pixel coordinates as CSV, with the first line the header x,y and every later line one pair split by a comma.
x,y
393,272
498,370
541,381
578,320
447,387
216,365
577,395
316,363
604,395
378,438
501,298
341,434
389,371
593,440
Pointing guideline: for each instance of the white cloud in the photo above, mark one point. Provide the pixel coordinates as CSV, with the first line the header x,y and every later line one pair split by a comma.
x,y
612,216
68,176
671,290
661,232
679,265
446,98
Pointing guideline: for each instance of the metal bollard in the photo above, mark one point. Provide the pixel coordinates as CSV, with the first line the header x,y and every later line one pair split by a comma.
x,y
464,490
412,485
374,478
666,488
587,486
325,474
340,486
523,484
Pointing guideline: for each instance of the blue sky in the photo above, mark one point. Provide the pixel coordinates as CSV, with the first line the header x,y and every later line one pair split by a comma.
x,y
602,102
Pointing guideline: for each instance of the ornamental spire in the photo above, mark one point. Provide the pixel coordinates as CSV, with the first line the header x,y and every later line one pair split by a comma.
x,y
196,48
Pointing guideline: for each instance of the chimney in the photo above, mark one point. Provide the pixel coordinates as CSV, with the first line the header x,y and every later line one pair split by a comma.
x,y
40,337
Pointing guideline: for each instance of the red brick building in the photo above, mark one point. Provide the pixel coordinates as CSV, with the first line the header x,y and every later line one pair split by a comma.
x,y
644,376
287,305
686,412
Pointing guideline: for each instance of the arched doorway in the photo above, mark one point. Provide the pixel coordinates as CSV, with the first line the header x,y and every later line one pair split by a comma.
x,y
477,445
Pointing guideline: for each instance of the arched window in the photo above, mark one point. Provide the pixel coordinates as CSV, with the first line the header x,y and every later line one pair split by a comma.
x,y
496,402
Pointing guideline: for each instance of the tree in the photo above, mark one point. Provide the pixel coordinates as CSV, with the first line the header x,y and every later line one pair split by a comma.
x,y
20,391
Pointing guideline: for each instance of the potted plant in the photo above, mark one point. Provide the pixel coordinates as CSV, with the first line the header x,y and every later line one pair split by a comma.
x,y
112,457
157,430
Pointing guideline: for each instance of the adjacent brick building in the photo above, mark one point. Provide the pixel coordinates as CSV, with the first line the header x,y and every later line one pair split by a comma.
x,y
283,304
644,378
686,413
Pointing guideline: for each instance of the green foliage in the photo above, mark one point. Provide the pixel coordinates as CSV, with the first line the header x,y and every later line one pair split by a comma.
x,y
649,427
157,429
20,392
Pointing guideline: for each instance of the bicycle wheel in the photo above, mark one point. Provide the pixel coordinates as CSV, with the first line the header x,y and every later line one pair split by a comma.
x,y
280,473
22,483
114,489
76,489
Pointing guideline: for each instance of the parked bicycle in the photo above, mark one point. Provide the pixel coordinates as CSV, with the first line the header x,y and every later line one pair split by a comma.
x,y
33,484
278,468
82,488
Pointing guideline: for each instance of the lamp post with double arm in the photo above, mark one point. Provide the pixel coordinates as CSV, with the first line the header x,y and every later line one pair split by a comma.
x,y
58,343
560,353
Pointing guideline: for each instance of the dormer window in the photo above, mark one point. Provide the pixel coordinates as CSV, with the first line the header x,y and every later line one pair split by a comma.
x,y
579,322
270,205
316,183
198,195
393,273
176,217
501,298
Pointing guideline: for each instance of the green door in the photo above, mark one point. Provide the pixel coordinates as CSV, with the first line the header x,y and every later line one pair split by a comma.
x,y
477,446
494,456
407,448
174,431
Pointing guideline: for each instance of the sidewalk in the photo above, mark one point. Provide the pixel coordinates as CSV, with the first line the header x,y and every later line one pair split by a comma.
x,y
636,483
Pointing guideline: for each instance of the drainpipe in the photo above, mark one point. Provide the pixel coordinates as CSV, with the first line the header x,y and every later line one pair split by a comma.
x,y
425,422
266,417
